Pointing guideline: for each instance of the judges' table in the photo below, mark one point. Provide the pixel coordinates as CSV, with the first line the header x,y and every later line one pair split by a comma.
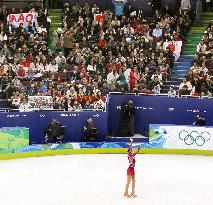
x,y
181,137
13,138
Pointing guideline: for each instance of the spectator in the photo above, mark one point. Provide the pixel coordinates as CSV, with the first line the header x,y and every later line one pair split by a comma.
x,y
52,67
185,83
172,92
198,10
185,6
119,7
103,52
68,42
157,32
24,106
58,40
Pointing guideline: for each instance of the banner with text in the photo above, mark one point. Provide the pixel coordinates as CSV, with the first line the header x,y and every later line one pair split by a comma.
x,y
40,102
24,18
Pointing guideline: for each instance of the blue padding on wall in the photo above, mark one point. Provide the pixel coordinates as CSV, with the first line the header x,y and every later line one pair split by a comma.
x,y
159,110
38,121
149,110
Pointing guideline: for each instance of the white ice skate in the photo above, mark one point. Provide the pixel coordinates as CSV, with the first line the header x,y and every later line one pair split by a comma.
x,y
127,195
134,195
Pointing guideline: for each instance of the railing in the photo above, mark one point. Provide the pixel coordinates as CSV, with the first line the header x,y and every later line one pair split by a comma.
x,y
161,95
49,110
189,96
146,94
207,97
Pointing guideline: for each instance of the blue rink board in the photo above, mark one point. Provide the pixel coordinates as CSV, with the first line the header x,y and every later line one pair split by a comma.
x,y
81,145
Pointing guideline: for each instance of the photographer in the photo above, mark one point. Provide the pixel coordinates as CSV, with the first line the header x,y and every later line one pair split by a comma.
x,y
126,126
55,132
199,121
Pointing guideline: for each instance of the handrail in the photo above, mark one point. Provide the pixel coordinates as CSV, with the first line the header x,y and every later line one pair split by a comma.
x,y
101,110
189,96
207,97
36,110
131,93
161,94
26,1
146,94
115,93
52,110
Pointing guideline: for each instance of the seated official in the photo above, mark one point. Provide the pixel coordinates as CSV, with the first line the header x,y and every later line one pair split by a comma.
x,y
55,132
90,131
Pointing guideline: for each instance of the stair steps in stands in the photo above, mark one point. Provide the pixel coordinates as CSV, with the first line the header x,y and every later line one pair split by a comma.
x,y
189,48
179,71
56,17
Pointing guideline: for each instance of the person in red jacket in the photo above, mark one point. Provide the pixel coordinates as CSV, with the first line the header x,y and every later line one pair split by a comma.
x,y
25,63
131,170
21,72
134,76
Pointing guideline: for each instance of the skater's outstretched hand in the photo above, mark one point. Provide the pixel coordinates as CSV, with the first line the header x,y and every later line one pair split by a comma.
x,y
139,148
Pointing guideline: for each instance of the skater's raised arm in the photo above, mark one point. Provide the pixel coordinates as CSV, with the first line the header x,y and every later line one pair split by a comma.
x,y
130,150
139,148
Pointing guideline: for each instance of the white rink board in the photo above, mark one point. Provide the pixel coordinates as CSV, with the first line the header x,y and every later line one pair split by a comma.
x,y
183,137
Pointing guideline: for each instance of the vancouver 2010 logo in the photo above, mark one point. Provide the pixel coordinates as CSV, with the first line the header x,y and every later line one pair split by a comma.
x,y
194,137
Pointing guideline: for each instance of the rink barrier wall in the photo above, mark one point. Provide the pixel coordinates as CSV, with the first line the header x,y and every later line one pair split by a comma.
x,y
154,146
38,121
149,110
158,110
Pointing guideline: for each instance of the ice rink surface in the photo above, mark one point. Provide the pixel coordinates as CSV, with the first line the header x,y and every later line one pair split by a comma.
x,y
100,180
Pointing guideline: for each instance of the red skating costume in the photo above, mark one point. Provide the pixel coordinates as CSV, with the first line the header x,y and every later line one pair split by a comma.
x,y
131,171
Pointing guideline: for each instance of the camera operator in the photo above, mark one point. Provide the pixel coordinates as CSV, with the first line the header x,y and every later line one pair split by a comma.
x,y
55,132
199,121
126,125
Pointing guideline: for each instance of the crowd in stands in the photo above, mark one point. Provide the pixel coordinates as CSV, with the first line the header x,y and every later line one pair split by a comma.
x,y
96,52
21,50
199,81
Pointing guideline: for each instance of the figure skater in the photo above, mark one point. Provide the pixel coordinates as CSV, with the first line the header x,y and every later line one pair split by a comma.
x,y
131,171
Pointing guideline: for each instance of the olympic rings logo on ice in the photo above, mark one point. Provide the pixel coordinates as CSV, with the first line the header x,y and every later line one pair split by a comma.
x,y
192,137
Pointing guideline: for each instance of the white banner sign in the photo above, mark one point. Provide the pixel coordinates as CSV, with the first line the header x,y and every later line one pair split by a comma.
x,y
184,137
40,102
25,18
